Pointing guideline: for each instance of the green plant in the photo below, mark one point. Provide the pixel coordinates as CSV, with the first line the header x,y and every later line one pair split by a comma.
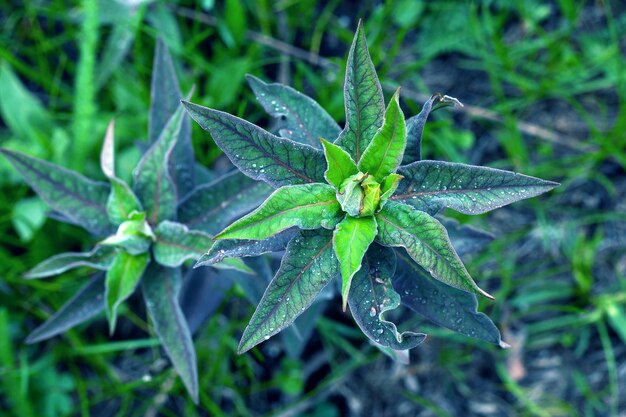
x,y
151,228
357,200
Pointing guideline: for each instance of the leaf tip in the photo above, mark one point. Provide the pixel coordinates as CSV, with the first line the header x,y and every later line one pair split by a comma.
x,y
503,344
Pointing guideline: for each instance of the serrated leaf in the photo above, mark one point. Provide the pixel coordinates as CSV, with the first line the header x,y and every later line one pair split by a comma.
x,y
384,153
236,248
85,304
300,118
122,201
372,295
160,293
153,184
466,239
99,257
339,164
257,153
426,240
442,304
78,198
121,280
211,207
351,238
307,267
363,98
308,206
469,189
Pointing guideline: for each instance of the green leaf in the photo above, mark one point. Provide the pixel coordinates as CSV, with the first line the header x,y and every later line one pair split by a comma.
x,y
442,304
121,280
257,153
153,183
363,98
433,185
99,257
372,295
80,199
388,187
85,304
211,207
307,267
340,164
161,294
134,236
299,117
384,153
426,240
308,206
465,239
28,216
351,238
122,201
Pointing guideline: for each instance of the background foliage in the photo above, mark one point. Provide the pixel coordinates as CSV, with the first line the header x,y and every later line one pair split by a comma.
x,y
545,94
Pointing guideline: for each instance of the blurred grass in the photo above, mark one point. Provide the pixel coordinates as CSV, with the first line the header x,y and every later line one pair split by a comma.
x,y
553,73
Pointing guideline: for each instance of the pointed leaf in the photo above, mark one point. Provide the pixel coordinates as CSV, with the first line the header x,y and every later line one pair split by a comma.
x,y
442,304
121,280
153,183
363,98
426,240
351,238
257,153
384,153
160,293
85,304
211,207
307,267
99,257
388,187
80,199
469,189
340,164
300,117
372,295
308,206
466,239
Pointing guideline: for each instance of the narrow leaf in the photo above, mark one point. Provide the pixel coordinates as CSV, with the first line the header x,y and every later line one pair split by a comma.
x,y
121,280
372,296
442,304
80,199
160,293
466,239
340,164
307,267
308,206
85,304
351,238
300,118
99,257
384,153
426,240
469,189
363,98
257,153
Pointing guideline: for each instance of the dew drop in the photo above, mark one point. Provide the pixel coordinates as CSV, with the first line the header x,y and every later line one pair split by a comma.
x,y
372,311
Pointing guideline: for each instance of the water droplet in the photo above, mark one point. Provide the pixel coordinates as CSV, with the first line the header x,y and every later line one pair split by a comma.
x,y
372,311
379,331
267,337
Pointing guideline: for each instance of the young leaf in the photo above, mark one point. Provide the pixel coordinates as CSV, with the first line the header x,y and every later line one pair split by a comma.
x,y
300,117
372,295
469,189
307,267
363,98
211,207
80,199
99,257
340,164
426,240
121,280
134,236
384,153
351,238
388,187
442,304
257,153
465,239
160,293
85,304
153,183
308,206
